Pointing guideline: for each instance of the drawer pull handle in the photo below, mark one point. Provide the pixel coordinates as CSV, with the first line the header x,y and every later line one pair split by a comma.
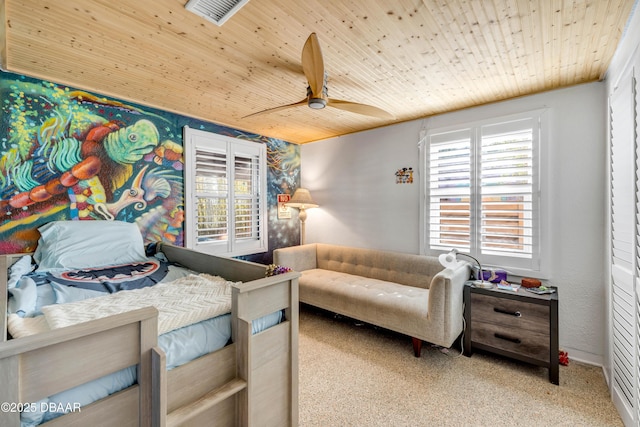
x,y
510,313
506,338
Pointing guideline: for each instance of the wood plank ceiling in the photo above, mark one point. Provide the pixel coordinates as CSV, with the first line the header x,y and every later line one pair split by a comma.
x,y
413,58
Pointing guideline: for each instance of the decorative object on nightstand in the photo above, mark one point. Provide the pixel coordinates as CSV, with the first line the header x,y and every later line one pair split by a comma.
x,y
450,260
519,325
302,200
528,282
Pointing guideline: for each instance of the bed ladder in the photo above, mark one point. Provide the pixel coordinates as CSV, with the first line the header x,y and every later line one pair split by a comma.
x,y
206,402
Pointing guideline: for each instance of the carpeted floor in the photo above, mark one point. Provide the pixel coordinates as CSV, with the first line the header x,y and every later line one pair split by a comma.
x,y
358,375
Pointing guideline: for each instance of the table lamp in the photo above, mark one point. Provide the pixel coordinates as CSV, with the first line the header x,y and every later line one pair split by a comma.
x,y
450,260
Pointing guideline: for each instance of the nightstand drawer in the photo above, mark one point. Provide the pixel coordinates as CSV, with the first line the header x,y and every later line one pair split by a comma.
x,y
512,314
518,341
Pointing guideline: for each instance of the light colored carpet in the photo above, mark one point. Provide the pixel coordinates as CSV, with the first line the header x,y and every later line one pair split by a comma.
x,y
358,375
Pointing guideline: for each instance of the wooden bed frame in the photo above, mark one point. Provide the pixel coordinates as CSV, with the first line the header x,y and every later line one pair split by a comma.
x,y
252,381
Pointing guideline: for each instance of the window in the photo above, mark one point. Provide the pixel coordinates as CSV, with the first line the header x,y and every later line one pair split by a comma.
x,y
483,194
225,187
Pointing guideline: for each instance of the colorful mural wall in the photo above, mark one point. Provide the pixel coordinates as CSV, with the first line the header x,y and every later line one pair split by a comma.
x,y
66,154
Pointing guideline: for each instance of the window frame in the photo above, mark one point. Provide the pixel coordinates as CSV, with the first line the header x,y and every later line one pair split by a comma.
x,y
233,149
539,265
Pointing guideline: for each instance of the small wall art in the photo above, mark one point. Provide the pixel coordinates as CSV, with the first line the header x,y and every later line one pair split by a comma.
x,y
283,211
404,176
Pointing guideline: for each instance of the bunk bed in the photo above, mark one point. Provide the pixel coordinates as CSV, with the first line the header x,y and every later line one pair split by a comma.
x,y
251,380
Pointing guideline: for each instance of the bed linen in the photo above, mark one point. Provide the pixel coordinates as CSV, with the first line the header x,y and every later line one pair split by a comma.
x,y
180,303
33,293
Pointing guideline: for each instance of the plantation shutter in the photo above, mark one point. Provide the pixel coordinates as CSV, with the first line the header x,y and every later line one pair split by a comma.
x,y
483,191
225,194
212,195
247,216
507,176
450,190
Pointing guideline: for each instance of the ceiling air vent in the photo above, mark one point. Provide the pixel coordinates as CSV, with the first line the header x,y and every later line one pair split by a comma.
x,y
216,11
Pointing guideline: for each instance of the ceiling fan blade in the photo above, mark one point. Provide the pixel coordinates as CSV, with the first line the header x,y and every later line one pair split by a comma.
x,y
282,107
313,65
354,107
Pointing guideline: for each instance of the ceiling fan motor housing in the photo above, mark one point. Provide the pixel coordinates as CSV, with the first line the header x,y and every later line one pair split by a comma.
x,y
317,103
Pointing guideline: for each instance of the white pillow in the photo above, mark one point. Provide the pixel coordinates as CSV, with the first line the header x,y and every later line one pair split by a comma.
x,y
71,245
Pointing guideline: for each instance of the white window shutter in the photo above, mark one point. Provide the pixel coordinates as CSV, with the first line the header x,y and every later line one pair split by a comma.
x,y
249,178
212,195
507,176
483,191
449,189
225,194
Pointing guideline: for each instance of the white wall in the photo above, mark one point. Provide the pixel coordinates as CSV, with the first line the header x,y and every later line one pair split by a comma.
x,y
352,178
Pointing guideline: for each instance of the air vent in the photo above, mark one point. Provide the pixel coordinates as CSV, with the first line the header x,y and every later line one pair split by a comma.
x,y
216,11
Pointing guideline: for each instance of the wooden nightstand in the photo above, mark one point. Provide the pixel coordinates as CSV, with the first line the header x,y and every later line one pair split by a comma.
x,y
520,325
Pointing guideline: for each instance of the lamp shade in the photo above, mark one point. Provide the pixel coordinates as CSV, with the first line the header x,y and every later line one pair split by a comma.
x,y
302,200
450,260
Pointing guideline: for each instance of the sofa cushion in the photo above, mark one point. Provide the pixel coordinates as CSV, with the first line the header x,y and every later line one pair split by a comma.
x,y
397,267
371,300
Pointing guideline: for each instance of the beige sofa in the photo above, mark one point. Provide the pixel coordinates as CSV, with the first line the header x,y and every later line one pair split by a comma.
x,y
406,293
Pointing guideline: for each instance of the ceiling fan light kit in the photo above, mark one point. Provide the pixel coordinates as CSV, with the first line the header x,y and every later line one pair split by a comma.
x,y
317,93
317,103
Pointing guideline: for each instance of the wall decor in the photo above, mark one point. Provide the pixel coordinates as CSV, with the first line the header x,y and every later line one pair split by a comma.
x,y
67,154
404,176
284,212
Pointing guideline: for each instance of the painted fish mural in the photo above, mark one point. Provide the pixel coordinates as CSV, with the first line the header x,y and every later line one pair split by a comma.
x,y
71,155
67,164
66,154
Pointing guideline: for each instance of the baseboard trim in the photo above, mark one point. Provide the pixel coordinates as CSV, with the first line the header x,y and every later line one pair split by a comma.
x,y
584,357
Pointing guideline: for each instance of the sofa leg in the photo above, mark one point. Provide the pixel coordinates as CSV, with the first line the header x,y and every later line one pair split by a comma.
x,y
417,346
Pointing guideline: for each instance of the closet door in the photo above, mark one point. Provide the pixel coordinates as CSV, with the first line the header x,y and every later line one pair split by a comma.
x,y
624,254
636,141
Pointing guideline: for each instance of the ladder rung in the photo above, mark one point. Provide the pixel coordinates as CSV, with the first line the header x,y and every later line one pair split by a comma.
x,y
209,400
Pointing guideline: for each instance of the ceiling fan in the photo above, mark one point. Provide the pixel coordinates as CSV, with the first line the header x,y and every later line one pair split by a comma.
x,y
317,98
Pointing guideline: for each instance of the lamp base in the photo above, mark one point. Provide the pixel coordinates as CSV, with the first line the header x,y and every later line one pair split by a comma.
x,y
482,284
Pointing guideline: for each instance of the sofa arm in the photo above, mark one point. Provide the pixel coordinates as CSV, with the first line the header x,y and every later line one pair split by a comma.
x,y
446,301
298,258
